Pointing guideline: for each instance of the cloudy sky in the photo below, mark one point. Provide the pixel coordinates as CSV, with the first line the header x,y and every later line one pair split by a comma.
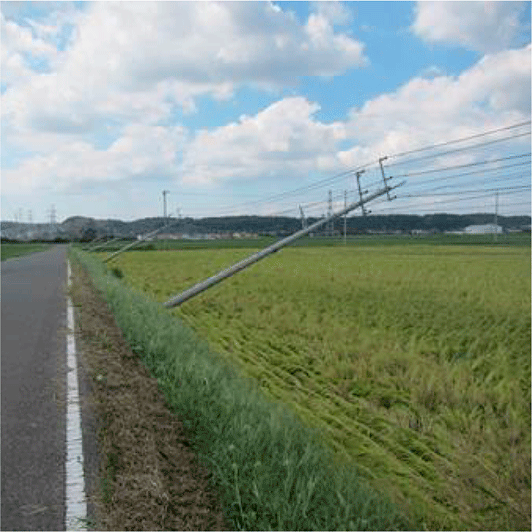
x,y
259,107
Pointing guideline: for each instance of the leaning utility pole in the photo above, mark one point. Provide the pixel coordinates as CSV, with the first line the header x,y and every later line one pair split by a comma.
x,y
362,192
100,246
141,239
204,285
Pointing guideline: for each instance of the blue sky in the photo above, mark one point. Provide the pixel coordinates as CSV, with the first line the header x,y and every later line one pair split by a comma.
x,y
233,106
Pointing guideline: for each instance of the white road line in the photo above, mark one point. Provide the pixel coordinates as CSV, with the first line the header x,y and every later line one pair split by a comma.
x,y
76,502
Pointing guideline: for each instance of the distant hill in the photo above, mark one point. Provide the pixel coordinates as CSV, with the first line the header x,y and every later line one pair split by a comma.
x,y
78,227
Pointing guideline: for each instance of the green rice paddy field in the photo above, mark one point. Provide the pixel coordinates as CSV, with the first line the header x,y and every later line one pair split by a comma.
x,y
413,360
9,250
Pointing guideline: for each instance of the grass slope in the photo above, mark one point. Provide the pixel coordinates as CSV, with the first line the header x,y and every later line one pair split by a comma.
x,y
148,477
271,471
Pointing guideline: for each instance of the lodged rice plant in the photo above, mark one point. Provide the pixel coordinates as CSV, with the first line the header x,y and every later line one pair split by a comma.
x,y
411,362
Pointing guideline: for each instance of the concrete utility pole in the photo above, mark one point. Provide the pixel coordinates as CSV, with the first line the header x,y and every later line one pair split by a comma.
x,y
164,201
303,220
496,216
345,217
385,179
362,192
113,240
93,242
141,239
204,285
330,224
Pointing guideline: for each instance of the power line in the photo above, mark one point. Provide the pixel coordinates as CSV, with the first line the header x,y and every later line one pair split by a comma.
x,y
324,182
487,190
481,179
440,154
463,197
463,139
482,171
506,178
312,186
444,169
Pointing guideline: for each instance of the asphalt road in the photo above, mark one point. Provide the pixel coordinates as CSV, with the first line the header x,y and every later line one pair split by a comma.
x,y
33,390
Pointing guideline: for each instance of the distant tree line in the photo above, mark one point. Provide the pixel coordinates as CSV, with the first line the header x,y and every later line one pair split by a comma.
x,y
358,224
86,229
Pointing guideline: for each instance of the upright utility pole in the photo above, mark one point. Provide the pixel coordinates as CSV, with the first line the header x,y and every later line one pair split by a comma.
x,y
303,219
164,201
52,221
330,223
345,217
496,216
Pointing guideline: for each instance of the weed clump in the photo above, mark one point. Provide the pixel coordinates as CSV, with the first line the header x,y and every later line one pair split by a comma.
x,y
117,272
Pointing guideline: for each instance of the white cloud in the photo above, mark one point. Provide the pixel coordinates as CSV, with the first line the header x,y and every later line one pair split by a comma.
x,y
18,45
130,58
482,26
129,62
335,12
141,152
286,139
494,92
282,140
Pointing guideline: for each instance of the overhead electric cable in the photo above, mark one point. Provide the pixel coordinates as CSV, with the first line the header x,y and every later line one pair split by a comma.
x,y
374,165
440,154
506,178
444,169
454,193
455,141
482,171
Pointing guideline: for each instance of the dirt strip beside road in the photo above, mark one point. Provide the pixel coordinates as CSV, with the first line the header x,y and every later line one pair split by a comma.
x,y
148,477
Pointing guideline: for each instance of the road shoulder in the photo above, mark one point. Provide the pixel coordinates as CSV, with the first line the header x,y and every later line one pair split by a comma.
x,y
142,472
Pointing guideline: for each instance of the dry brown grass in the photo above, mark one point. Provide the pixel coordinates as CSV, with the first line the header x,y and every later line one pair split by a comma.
x,y
149,478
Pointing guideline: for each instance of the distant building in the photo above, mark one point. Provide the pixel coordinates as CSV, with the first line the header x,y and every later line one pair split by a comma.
x,y
486,229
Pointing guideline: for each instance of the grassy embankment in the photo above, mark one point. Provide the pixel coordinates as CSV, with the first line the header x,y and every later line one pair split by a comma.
x,y
412,361
270,470
9,250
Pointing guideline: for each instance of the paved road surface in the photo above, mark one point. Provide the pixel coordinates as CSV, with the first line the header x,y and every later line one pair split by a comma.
x,y
32,377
